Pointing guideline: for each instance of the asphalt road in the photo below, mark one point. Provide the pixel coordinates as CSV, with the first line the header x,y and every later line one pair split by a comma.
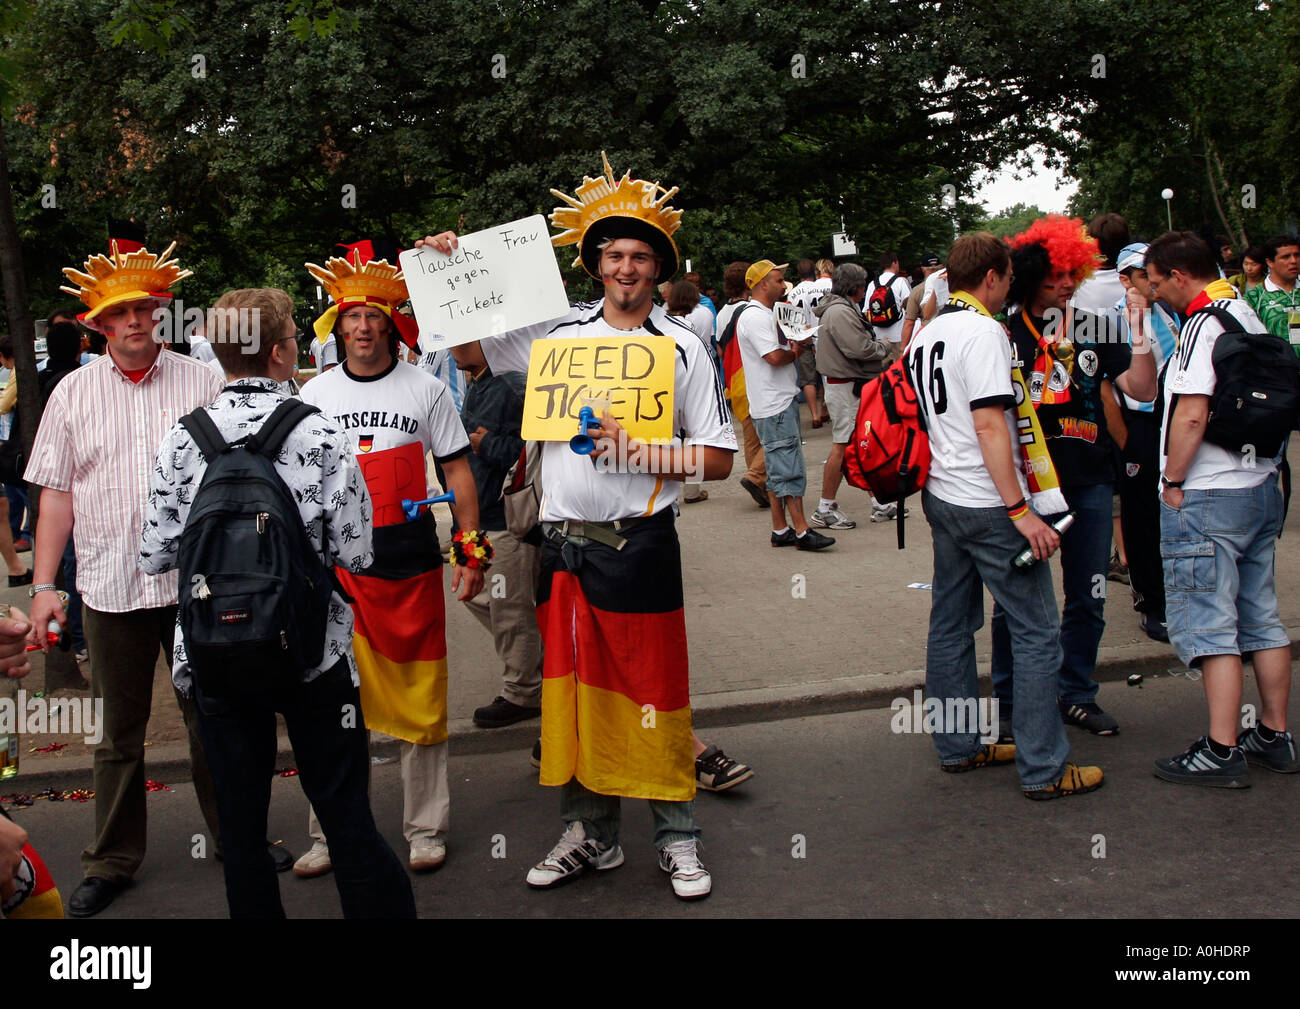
x,y
843,818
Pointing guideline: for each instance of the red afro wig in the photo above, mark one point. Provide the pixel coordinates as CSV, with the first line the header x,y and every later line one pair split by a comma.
x,y
1066,241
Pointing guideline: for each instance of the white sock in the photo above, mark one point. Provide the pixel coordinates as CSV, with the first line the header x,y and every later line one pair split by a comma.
x,y
781,532
826,504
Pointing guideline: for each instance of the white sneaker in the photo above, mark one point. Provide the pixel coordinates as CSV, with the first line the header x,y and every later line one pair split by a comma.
x,y
691,880
832,518
883,513
315,862
571,856
427,853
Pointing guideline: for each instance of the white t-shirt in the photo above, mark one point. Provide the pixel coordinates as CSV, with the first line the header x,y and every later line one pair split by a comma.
x,y
387,411
1191,373
807,293
324,354
201,349
572,488
936,284
770,388
960,362
902,289
701,320
1099,292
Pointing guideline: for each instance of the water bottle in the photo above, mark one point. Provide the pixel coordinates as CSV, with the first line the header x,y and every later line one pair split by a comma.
x,y
1025,560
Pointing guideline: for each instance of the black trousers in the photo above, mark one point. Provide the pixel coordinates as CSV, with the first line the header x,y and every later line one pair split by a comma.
x,y
1139,484
329,744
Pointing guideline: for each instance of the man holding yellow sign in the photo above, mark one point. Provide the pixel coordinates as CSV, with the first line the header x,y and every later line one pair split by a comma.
x,y
616,717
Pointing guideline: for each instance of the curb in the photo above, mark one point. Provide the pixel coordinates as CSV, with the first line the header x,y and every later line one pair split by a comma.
x,y
171,761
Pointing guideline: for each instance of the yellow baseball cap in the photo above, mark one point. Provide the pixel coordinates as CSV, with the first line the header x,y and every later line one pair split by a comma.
x,y
760,270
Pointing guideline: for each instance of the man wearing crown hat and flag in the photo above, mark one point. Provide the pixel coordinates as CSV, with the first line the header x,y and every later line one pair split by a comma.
x,y
615,690
393,413
93,455
1065,353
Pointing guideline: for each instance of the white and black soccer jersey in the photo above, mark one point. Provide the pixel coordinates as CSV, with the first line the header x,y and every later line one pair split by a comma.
x,y
324,354
572,488
960,362
1190,372
392,420
807,293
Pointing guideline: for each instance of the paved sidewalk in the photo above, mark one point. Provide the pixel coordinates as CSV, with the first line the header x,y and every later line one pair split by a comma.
x,y
773,633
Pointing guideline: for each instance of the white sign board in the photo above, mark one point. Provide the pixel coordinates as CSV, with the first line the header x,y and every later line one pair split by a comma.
x,y
497,280
795,321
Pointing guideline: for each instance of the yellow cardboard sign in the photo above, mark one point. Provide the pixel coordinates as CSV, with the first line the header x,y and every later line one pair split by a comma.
x,y
630,377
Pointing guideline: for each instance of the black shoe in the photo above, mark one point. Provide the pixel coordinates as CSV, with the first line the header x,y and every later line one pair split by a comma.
x,y
536,757
92,896
1090,717
785,539
813,540
501,713
280,855
1156,629
756,492
23,579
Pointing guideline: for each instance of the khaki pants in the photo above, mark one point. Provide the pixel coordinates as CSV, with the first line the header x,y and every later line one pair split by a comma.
x,y
426,795
124,651
755,470
507,608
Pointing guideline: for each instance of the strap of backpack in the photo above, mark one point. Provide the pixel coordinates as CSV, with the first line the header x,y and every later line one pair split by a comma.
x,y
275,429
1230,323
204,431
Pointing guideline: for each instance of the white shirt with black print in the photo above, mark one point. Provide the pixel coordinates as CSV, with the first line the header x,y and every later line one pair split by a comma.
x,y
317,464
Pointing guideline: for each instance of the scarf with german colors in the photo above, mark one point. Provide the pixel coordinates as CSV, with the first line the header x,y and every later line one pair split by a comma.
x,y
733,369
1035,460
616,711
400,640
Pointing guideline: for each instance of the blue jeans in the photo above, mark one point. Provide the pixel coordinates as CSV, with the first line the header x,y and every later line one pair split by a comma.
x,y
973,547
19,519
1221,598
1085,560
600,815
76,633
334,768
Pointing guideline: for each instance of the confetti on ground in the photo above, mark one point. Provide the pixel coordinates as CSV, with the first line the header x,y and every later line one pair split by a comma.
x,y
156,786
20,800
919,585
285,772
52,748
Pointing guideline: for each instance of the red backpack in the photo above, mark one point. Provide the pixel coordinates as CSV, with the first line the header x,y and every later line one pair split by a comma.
x,y
890,451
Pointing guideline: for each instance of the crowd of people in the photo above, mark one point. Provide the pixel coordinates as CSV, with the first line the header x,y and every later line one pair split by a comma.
x,y
1062,370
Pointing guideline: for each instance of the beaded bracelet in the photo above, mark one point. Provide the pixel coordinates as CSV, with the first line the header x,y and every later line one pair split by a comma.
x,y
471,549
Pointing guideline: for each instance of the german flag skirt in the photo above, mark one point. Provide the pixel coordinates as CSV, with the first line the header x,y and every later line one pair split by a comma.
x,y
616,710
400,638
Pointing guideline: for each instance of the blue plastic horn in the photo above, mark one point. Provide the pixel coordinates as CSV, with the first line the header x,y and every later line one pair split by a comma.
x,y
412,508
583,443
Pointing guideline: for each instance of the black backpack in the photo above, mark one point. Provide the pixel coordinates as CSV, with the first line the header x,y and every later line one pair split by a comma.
x,y
254,593
1256,398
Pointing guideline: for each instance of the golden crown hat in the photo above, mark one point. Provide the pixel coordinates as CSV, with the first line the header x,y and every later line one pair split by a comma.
x,y
606,208
354,281
123,276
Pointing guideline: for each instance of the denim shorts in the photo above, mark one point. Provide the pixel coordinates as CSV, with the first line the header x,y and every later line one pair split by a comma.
x,y
787,473
1217,551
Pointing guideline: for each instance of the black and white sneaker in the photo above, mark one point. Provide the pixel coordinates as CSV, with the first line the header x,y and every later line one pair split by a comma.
x,y
1200,765
1279,755
574,854
691,880
716,772
1090,717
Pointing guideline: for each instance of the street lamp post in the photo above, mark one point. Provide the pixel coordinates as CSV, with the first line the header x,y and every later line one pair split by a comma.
x,y
1167,195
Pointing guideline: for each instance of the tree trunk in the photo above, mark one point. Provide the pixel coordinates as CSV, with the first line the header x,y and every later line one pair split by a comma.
x,y
21,326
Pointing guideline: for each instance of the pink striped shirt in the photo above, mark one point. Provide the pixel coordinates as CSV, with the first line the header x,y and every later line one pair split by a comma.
x,y
98,438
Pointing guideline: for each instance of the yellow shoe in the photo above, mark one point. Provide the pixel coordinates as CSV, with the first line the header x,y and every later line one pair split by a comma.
x,y
1075,781
988,755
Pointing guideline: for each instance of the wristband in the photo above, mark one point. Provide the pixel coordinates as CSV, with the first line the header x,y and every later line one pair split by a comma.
x,y
1019,513
1175,484
31,592
1014,507
471,549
